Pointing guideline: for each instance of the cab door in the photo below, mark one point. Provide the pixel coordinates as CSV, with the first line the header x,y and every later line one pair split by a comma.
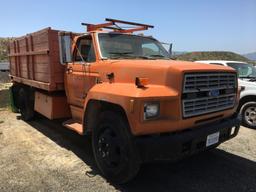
x,y
77,77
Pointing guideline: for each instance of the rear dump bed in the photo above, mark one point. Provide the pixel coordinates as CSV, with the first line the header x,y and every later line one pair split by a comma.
x,y
35,60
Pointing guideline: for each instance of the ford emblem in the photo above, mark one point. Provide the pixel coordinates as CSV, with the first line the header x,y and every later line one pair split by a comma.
x,y
214,93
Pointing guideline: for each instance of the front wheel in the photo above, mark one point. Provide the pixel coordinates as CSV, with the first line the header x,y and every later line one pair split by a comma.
x,y
114,150
249,115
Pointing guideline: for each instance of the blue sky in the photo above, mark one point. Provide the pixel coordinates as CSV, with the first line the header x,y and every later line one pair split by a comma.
x,y
191,25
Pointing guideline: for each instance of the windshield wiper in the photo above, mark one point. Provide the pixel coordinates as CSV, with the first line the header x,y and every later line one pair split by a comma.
x,y
143,57
157,56
252,78
248,77
161,56
128,55
118,55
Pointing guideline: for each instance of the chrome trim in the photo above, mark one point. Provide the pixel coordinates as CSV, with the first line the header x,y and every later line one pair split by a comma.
x,y
208,81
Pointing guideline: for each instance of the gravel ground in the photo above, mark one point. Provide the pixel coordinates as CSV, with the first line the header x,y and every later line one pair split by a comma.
x,y
44,156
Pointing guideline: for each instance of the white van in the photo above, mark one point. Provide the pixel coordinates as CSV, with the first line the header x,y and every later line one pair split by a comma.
x,y
247,81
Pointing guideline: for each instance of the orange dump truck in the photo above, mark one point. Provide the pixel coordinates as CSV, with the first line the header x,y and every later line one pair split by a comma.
x,y
125,91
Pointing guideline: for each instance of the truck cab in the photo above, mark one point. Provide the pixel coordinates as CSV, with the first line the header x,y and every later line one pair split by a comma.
x,y
124,91
247,81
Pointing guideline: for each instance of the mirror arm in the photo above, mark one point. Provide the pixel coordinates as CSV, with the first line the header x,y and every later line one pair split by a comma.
x,y
170,49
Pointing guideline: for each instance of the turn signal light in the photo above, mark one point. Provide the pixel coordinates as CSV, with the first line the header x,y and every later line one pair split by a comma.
x,y
141,82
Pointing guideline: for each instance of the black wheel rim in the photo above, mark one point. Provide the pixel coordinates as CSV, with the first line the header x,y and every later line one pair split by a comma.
x,y
109,148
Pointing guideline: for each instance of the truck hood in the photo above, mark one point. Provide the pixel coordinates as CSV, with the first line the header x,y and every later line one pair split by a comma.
x,y
159,72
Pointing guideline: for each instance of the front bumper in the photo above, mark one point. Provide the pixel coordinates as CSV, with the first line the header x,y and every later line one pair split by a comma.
x,y
174,146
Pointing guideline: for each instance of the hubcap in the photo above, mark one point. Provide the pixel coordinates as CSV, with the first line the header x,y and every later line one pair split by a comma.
x,y
250,116
109,148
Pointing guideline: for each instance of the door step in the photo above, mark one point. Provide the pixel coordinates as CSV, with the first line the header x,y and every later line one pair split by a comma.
x,y
74,125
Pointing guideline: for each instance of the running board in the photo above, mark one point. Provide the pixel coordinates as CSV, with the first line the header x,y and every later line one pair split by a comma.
x,y
74,125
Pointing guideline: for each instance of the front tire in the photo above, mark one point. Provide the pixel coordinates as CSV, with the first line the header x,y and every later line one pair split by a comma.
x,y
114,150
248,113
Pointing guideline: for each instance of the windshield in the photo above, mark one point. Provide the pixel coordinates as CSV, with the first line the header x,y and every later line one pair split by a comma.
x,y
123,46
244,70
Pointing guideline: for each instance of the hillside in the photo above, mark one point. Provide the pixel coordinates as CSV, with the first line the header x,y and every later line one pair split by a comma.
x,y
211,55
3,49
251,56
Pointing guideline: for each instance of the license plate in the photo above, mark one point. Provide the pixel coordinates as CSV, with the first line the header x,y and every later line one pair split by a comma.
x,y
212,139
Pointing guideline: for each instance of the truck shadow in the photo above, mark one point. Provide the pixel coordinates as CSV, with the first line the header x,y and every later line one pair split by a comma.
x,y
215,170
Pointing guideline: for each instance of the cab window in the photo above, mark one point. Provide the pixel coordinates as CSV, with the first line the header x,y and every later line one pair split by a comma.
x,y
84,50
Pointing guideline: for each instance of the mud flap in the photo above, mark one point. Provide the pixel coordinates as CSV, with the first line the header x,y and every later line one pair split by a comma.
x,y
11,101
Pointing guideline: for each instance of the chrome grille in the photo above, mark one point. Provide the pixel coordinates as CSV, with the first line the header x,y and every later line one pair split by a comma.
x,y
209,89
208,81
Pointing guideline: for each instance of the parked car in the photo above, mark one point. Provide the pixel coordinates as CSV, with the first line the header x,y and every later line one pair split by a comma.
x,y
4,66
247,81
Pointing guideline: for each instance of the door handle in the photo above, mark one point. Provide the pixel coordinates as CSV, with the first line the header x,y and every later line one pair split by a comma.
x,y
69,70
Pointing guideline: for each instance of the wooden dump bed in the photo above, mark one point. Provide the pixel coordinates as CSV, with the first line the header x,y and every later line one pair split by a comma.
x,y
35,61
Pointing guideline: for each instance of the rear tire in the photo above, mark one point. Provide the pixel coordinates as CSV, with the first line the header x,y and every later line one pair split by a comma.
x,y
14,97
26,104
114,149
248,113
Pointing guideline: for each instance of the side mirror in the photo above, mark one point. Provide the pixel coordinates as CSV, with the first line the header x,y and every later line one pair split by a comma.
x,y
170,49
65,47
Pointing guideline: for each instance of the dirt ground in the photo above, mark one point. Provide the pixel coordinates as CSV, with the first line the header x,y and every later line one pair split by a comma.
x,y
43,156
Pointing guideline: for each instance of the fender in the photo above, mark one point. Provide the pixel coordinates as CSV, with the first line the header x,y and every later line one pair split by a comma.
x,y
250,92
129,97
246,96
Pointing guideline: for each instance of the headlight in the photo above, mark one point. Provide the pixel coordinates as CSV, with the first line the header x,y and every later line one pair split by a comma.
x,y
151,110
